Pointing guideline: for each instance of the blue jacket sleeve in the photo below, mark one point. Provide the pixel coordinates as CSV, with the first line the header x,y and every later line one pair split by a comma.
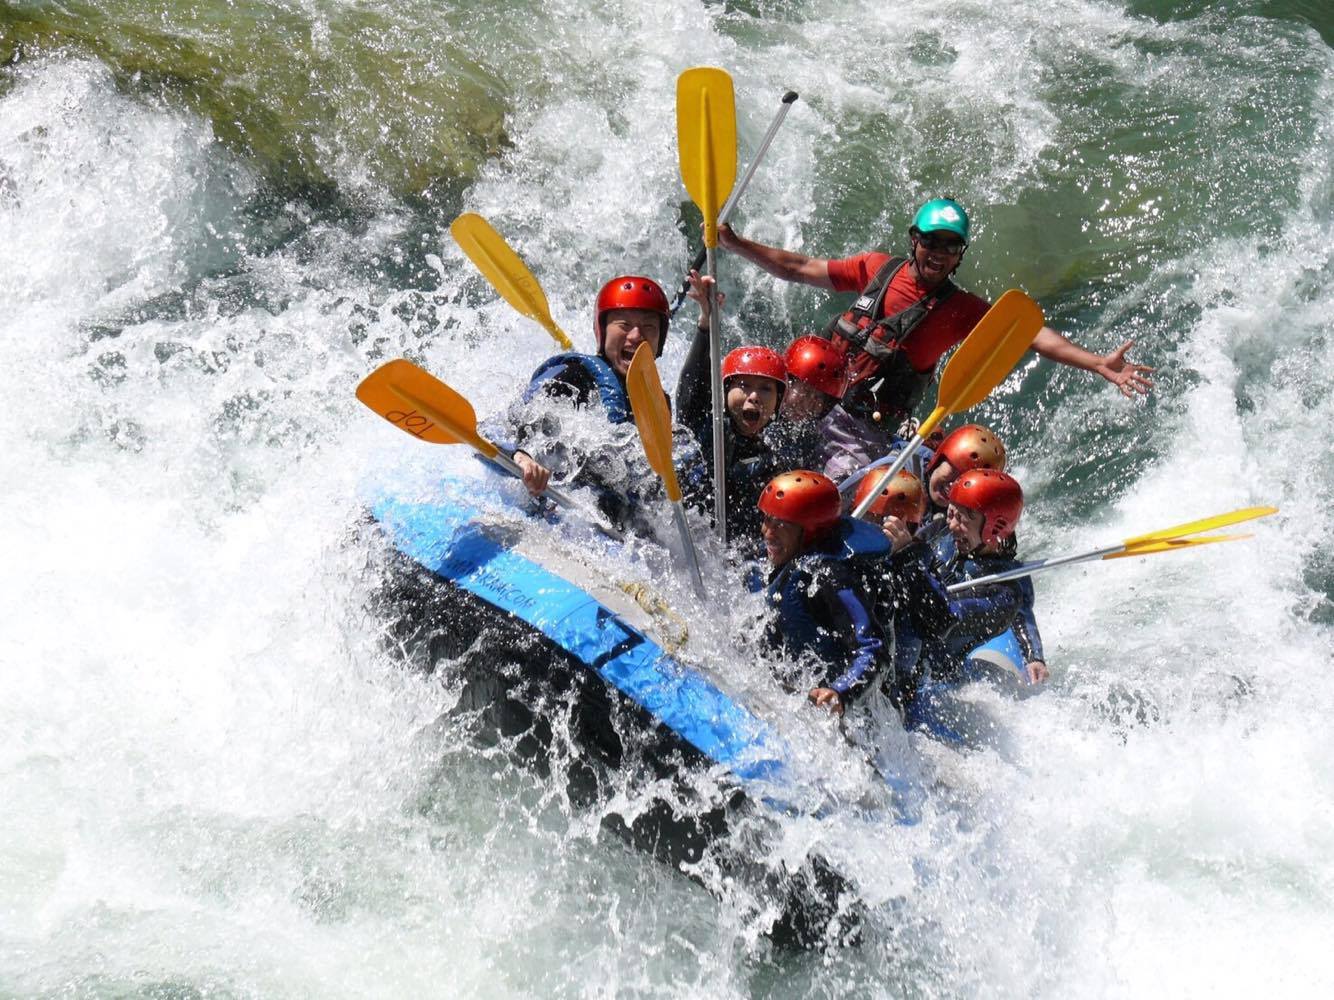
x,y
985,610
1026,625
866,639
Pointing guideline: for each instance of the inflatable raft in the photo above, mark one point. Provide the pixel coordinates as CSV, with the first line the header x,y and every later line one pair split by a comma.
x,y
550,647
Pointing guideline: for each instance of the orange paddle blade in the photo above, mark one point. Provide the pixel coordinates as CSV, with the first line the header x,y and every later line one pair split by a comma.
x,y
1172,545
506,271
990,351
1203,524
417,402
652,417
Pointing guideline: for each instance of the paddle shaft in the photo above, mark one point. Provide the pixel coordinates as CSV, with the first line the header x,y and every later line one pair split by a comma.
x,y
737,191
688,545
1040,566
894,470
512,467
719,414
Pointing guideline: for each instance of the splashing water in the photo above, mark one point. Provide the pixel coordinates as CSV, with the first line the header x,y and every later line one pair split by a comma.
x,y
216,779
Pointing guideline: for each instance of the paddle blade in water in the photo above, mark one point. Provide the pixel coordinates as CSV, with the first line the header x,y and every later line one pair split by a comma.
x,y
1204,524
989,352
706,141
417,402
507,273
652,417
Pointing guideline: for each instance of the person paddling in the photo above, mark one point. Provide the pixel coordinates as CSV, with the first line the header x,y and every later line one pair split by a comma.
x,y
826,573
903,497
964,449
629,310
936,630
908,314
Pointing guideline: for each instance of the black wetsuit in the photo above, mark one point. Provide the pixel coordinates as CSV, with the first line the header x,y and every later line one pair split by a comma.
x,y
749,461
936,630
824,607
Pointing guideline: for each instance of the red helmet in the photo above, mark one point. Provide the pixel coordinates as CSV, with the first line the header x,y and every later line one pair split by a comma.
x,y
995,495
805,498
755,361
903,496
815,360
970,447
630,291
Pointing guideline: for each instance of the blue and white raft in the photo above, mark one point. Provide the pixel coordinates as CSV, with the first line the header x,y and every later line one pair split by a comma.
x,y
550,649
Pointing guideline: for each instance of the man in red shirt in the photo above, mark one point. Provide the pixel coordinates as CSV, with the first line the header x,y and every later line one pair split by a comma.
x,y
909,314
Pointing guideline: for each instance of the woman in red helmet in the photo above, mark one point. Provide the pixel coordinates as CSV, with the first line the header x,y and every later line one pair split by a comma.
x,y
630,310
826,580
936,630
754,381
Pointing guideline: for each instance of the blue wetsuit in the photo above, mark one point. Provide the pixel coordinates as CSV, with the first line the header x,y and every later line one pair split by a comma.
x,y
936,630
824,607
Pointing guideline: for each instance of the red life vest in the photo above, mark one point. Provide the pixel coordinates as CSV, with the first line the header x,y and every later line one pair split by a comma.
x,y
882,384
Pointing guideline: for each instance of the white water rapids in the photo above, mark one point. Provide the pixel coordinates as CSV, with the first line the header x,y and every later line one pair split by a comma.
x,y
214,781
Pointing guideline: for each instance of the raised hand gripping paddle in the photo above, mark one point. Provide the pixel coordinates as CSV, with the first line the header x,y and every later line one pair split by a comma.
x,y
706,142
507,273
980,364
726,212
654,422
417,402
1166,540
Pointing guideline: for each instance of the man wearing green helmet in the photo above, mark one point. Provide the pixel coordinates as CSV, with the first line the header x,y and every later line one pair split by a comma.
x,y
908,315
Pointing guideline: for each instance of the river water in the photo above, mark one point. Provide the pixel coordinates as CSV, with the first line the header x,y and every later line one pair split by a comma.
x,y
215,218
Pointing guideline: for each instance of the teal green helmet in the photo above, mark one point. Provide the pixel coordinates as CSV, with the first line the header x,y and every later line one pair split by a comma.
x,y
942,214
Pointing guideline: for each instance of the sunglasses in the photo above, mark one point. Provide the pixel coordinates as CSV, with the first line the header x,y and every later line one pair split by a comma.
x,y
942,244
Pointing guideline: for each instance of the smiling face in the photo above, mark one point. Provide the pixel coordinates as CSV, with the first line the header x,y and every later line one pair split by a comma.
x,y
752,401
782,539
966,527
625,330
942,478
936,255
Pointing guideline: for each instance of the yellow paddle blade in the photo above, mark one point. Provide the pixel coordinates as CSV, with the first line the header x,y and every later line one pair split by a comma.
x,y
652,417
417,402
1173,544
706,141
1204,524
986,356
507,273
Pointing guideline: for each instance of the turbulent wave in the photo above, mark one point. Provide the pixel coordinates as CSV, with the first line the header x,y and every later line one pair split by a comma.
x,y
213,223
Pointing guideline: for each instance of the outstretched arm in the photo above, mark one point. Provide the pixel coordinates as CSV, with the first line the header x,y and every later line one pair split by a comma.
x,y
785,264
1130,378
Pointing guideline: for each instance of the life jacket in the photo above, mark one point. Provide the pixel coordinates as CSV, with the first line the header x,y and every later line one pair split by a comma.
x,y
610,388
880,377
